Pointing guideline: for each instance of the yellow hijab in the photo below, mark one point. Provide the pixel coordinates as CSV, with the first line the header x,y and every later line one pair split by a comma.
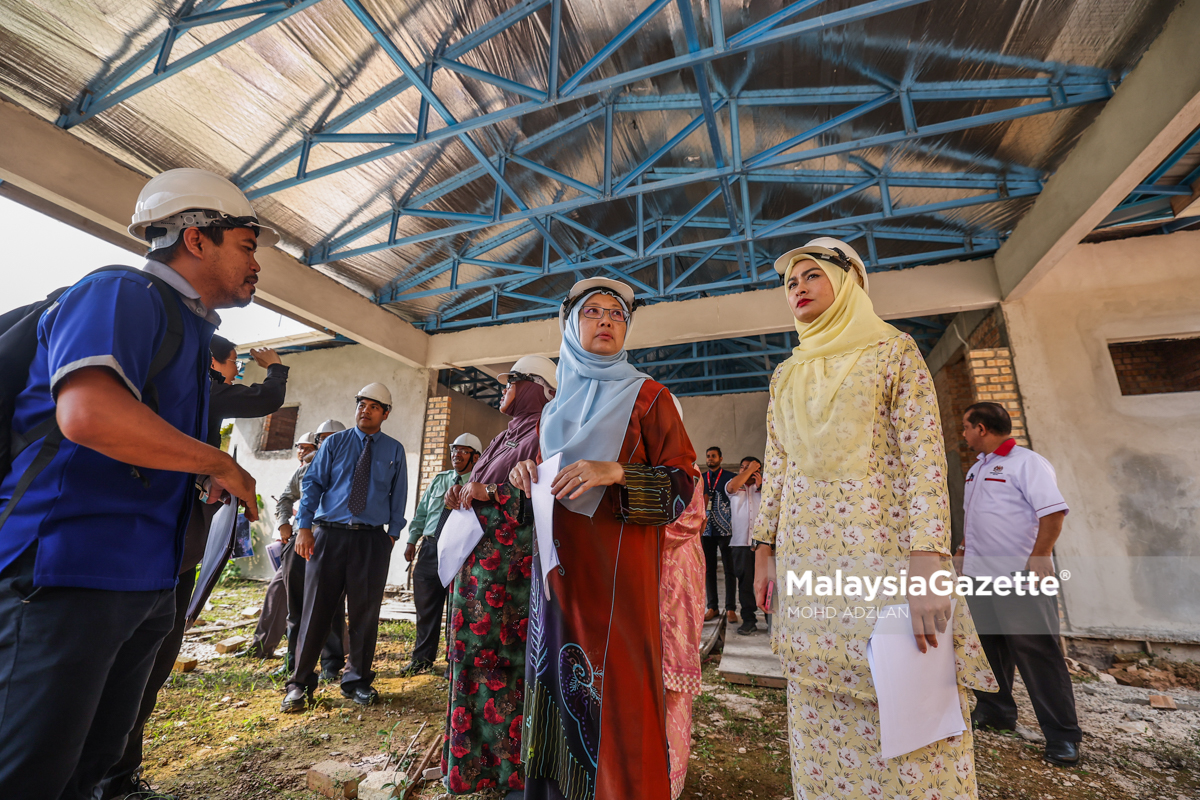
x,y
827,393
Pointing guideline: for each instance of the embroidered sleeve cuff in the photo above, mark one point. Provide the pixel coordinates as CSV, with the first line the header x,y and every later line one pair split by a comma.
x,y
649,496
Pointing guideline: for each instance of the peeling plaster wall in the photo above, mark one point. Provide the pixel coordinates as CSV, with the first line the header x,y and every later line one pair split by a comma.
x,y
1128,466
323,383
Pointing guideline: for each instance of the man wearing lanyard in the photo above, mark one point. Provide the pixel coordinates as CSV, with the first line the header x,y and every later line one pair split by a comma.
x,y
429,595
718,530
1013,514
357,484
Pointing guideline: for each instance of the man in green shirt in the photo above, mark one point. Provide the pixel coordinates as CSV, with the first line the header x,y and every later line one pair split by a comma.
x,y
428,593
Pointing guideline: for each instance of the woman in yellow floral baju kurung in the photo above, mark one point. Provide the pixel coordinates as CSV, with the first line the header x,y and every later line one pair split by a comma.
x,y
855,481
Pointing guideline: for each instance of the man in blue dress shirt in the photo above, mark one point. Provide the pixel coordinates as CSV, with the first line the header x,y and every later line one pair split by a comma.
x,y
356,485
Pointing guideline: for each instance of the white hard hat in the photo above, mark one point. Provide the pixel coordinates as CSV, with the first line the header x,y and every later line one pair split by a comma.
x,y
377,392
208,200
468,440
533,365
622,290
330,426
306,438
828,249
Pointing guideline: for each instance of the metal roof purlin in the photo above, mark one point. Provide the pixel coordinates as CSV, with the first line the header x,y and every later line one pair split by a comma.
x,y
1092,93
92,102
571,91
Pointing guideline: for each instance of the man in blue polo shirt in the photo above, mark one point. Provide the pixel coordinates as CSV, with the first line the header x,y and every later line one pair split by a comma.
x,y
357,483
90,553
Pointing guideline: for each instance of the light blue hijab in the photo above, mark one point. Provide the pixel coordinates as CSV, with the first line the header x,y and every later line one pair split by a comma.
x,y
589,416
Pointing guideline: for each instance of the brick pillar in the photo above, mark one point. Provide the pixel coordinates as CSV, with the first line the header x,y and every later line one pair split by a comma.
x,y
993,379
435,447
954,393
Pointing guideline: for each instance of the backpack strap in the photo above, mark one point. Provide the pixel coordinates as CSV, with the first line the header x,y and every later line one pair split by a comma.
x,y
172,339
48,427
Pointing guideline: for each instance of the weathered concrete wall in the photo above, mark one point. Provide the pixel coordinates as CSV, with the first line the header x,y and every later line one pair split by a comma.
x,y
468,415
1128,466
736,423
323,383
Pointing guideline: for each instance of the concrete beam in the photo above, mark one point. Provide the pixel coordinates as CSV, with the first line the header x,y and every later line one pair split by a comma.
x,y
59,174
1148,116
921,291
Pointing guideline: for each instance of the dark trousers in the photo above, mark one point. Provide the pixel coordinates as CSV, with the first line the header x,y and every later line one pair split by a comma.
x,y
429,596
710,545
73,666
272,621
333,654
1022,633
164,662
743,564
350,564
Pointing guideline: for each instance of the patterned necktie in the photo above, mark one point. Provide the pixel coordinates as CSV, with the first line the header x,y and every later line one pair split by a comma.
x,y
361,481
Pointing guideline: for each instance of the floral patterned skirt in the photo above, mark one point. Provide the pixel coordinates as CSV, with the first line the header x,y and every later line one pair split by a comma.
x,y
489,615
834,743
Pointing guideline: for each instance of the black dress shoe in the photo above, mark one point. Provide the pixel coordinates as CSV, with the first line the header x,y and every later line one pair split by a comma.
x,y
416,668
1064,754
135,789
981,722
295,700
747,629
362,695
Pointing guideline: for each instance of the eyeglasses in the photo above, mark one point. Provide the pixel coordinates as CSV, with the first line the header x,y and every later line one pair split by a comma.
x,y
615,314
514,377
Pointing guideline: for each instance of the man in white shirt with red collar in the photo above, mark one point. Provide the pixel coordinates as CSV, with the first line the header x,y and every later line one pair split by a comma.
x,y
1013,514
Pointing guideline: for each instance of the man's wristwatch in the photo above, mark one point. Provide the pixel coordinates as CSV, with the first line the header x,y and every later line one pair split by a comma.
x,y
491,489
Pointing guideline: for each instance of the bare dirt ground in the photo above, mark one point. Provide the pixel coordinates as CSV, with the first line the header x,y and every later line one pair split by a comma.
x,y
218,733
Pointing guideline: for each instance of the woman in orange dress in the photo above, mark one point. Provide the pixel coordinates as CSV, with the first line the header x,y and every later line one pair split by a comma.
x,y
595,708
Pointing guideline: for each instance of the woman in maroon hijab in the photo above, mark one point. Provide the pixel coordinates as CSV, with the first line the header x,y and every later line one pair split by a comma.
x,y
489,600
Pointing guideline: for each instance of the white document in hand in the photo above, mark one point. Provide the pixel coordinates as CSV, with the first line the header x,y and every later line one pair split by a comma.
x,y
456,542
542,499
918,692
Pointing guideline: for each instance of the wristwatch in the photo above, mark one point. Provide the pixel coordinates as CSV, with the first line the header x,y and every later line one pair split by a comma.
x,y
491,489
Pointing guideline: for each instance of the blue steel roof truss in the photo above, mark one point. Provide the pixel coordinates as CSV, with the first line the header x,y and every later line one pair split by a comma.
x,y
664,256
1150,201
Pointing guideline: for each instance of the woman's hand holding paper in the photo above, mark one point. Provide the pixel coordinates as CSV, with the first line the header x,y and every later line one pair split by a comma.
x,y
930,613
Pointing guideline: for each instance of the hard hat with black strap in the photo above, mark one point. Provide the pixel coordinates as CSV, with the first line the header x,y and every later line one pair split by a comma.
x,y
377,392
618,289
528,367
193,198
468,440
833,251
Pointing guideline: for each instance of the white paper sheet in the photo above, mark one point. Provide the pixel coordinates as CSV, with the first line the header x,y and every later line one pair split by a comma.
x,y
456,542
918,692
543,516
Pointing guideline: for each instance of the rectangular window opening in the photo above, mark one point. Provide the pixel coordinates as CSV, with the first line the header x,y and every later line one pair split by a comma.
x,y
279,429
1157,366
